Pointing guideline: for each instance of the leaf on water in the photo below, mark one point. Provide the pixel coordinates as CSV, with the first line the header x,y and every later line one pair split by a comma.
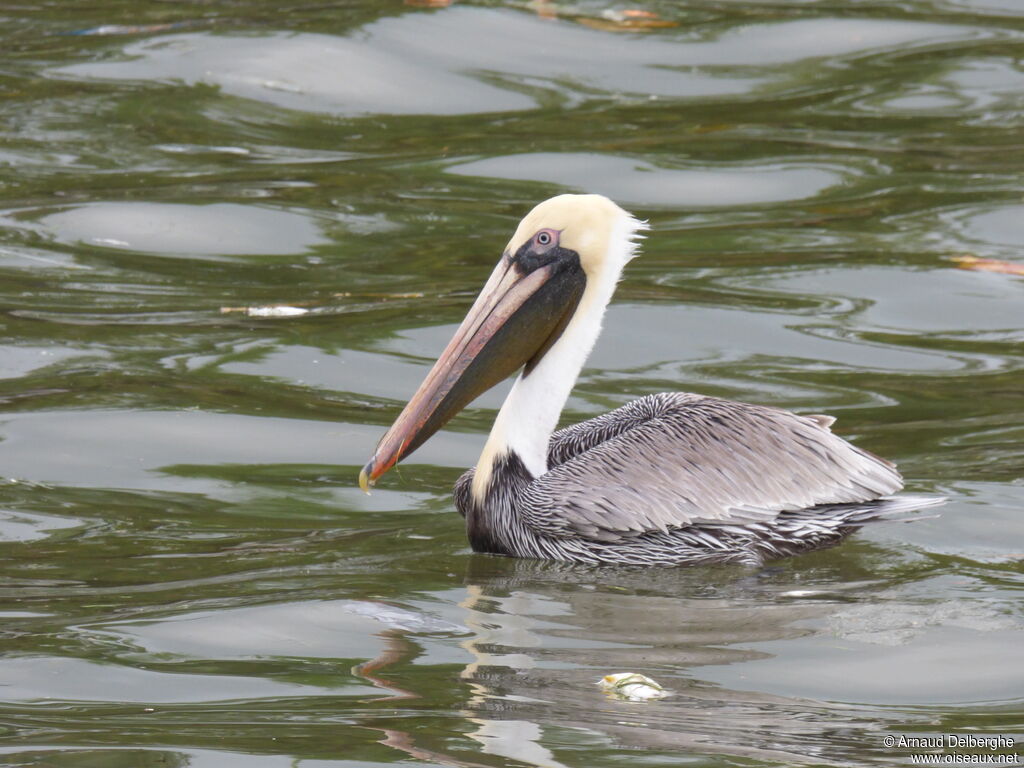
x,y
966,261
610,20
627,20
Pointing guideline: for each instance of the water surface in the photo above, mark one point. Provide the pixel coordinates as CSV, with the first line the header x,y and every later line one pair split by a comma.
x,y
191,577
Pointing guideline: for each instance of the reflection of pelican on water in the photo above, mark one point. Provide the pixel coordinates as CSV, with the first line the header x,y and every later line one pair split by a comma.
x,y
671,478
542,633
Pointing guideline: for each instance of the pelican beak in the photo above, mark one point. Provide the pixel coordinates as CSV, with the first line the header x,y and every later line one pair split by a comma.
x,y
518,315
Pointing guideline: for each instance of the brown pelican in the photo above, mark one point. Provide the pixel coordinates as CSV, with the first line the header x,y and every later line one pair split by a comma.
x,y
672,478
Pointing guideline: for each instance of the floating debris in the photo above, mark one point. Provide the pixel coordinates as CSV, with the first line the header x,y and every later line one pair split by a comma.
x,y
197,149
631,686
627,20
297,309
381,296
966,261
280,310
609,20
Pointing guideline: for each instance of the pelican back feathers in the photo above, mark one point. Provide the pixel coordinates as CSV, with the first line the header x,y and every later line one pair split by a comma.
x,y
678,478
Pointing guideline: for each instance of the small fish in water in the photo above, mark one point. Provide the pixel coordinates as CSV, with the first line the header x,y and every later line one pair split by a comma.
x,y
631,686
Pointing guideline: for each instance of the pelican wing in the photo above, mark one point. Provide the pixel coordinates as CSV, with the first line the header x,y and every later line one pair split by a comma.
x,y
668,461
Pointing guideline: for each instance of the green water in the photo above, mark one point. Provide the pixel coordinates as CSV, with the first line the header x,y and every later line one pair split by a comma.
x,y
190,576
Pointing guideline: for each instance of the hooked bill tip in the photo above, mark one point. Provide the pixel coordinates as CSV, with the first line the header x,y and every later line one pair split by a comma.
x,y
364,480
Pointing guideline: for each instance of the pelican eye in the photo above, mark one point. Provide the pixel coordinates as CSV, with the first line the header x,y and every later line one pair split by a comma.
x,y
545,239
541,249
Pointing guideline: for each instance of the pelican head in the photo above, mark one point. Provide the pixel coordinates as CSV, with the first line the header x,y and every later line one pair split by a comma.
x,y
556,274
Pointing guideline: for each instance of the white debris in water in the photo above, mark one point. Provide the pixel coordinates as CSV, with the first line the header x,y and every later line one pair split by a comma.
x,y
272,311
195,149
281,311
631,686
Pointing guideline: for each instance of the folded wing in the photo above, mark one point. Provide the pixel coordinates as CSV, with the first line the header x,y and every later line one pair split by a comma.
x,y
671,460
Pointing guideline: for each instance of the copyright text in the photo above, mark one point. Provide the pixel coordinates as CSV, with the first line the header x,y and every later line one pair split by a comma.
x,y
955,741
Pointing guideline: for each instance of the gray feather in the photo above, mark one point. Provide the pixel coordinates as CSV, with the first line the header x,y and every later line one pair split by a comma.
x,y
682,479
672,460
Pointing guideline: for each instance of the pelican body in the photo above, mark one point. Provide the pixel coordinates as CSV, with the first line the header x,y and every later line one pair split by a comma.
x,y
669,479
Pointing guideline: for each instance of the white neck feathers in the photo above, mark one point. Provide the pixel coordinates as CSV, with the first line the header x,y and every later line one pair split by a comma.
x,y
530,413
